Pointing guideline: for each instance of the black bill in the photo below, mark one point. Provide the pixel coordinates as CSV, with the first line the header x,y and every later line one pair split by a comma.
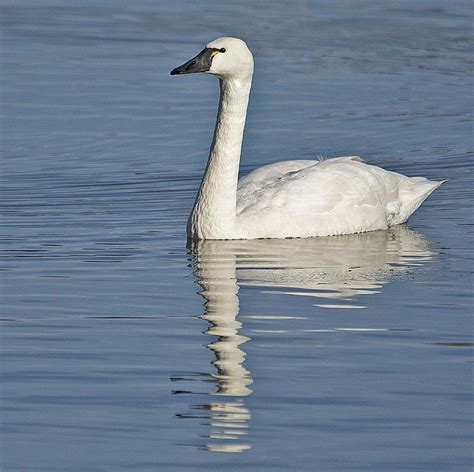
x,y
201,63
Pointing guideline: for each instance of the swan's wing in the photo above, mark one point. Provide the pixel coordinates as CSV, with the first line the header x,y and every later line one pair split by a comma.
x,y
314,188
272,173
335,196
266,175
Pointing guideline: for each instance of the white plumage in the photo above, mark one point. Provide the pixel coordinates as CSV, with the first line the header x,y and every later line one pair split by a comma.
x,y
300,198
336,196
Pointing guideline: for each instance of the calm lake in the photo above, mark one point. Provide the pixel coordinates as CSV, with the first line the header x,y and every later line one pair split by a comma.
x,y
124,348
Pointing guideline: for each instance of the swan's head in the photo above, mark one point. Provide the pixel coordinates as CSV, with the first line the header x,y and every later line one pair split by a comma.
x,y
224,57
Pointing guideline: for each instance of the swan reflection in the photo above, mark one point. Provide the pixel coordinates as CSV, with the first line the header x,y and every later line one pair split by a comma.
x,y
336,270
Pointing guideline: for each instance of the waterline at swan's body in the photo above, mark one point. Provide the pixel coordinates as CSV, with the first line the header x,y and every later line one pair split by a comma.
x,y
291,198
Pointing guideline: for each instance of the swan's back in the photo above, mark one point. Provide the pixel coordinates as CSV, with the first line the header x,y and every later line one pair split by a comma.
x,y
335,196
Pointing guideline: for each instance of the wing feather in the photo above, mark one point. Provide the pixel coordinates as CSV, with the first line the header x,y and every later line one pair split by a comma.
x,y
335,195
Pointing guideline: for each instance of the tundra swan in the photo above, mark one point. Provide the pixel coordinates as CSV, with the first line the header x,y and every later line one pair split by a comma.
x,y
290,199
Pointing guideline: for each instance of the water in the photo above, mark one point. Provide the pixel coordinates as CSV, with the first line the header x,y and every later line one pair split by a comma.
x,y
124,349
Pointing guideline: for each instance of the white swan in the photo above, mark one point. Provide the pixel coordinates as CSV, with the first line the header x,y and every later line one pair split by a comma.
x,y
287,199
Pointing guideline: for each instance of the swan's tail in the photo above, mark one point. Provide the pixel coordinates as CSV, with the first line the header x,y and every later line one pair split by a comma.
x,y
412,196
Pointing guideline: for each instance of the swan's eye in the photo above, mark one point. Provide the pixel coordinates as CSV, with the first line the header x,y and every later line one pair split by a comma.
x,y
222,50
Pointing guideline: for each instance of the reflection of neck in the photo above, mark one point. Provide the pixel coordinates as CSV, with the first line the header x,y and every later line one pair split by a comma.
x,y
216,271
213,215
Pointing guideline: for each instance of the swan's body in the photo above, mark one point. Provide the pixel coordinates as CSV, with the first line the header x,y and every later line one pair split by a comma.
x,y
292,198
336,196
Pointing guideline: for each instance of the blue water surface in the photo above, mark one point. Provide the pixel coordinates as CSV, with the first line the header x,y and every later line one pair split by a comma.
x,y
126,349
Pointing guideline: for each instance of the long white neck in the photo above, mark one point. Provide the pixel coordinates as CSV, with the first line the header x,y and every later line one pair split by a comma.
x,y
214,212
